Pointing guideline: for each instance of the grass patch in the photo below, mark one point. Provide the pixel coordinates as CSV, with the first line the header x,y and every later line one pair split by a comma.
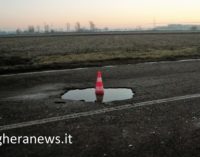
x,y
102,56
39,53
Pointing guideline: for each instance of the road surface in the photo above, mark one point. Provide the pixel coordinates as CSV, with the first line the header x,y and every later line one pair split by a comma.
x,y
124,128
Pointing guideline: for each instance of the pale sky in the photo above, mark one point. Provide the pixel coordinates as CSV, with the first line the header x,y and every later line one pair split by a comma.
x,y
110,13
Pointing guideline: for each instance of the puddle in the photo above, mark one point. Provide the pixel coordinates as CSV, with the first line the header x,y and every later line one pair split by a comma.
x,y
88,95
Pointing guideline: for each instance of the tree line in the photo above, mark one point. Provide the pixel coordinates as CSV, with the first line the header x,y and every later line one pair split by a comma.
x,y
48,29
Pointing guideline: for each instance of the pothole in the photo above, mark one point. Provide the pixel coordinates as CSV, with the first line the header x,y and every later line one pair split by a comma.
x,y
88,95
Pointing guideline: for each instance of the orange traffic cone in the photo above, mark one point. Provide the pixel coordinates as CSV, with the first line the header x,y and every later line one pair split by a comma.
x,y
99,85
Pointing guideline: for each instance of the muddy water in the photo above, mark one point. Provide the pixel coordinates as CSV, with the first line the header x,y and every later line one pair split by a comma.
x,y
88,95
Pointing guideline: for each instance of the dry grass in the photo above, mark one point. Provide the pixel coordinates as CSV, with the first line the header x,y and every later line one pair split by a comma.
x,y
153,54
28,52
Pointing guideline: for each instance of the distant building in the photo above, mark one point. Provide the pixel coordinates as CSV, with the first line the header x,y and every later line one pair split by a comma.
x,y
178,27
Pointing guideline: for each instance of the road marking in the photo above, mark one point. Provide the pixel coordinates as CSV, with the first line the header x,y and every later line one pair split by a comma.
x,y
95,112
178,61
42,72
77,69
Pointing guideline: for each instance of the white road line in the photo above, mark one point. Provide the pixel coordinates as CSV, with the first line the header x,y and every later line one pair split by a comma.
x,y
95,112
77,69
42,72
177,61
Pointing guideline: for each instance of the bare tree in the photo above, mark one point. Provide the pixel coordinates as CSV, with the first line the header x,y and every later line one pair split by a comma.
x,y
68,27
106,29
31,29
38,28
18,31
46,28
52,30
139,28
92,26
77,27
194,28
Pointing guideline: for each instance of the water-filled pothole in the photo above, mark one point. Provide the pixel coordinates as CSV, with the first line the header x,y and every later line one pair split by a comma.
x,y
88,95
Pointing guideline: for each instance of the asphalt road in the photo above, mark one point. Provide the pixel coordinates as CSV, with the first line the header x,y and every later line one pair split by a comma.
x,y
170,128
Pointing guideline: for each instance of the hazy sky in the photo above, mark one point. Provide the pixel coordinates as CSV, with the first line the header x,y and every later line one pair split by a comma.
x,y
111,13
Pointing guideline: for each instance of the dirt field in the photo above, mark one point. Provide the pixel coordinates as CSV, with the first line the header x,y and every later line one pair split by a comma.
x,y
37,53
